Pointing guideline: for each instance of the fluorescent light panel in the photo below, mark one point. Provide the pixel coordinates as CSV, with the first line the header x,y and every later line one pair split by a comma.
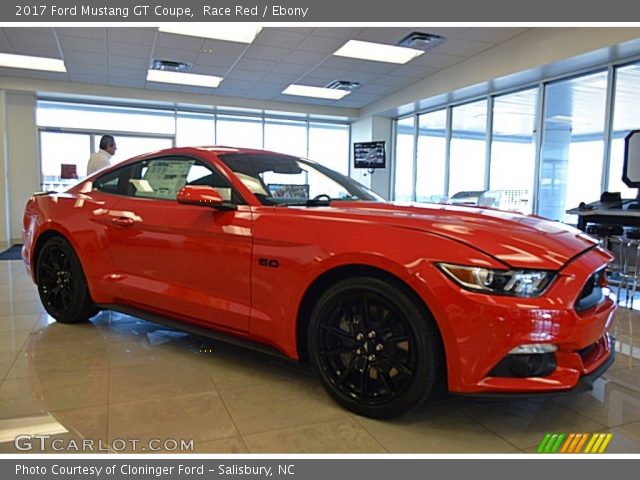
x,y
164,76
378,52
317,92
31,63
215,31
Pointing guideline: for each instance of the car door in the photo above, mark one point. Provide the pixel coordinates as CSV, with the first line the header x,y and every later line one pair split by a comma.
x,y
186,261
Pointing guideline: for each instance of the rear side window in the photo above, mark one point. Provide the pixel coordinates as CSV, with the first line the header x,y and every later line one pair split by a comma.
x,y
162,178
114,182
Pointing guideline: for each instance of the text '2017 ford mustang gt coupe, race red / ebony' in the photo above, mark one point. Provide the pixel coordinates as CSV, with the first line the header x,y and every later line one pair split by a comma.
x,y
385,300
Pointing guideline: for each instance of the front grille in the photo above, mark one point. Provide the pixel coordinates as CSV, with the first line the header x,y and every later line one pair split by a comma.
x,y
591,293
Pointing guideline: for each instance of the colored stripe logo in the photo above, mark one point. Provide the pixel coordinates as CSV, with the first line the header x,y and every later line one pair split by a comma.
x,y
574,443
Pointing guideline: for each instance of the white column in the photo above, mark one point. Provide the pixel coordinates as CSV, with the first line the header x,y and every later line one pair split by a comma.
x,y
4,199
21,158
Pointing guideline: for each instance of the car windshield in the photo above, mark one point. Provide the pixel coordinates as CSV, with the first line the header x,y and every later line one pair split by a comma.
x,y
285,180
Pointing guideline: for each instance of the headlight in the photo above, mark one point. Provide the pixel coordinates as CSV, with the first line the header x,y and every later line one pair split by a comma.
x,y
519,283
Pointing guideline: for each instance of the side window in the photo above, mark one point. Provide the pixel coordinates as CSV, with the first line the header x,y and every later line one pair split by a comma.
x,y
115,182
161,178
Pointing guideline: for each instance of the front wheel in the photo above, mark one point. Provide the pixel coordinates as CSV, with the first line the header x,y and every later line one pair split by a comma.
x,y
61,283
375,347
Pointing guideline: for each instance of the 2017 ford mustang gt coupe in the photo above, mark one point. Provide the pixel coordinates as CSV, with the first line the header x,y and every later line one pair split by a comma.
x,y
386,301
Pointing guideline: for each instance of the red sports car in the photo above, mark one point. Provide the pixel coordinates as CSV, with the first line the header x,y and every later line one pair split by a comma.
x,y
385,300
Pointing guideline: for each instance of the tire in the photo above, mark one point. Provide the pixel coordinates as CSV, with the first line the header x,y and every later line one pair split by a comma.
x,y
376,349
61,283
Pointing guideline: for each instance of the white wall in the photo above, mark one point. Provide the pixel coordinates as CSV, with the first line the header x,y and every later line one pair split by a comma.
x,y
21,158
4,217
372,129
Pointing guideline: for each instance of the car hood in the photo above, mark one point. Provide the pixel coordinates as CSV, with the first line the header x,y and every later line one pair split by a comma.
x,y
520,241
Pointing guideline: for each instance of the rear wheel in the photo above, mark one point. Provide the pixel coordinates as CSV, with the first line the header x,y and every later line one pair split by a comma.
x,y
61,283
375,347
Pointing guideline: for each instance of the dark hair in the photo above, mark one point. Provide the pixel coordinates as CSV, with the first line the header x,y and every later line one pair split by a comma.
x,y
106,141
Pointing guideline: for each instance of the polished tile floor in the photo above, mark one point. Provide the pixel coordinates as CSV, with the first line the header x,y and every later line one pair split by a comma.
x,y
122,384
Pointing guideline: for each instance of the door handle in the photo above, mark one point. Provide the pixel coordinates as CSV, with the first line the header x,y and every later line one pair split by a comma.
x,y
122,221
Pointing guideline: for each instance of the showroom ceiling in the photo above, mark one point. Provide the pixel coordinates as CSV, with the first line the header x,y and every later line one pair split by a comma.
x,y
278,57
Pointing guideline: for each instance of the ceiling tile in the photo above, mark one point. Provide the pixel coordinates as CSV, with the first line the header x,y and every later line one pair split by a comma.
x,y
320,44
96,33
255,64
342,63
391,80
415,71
436,60
215,60
83,44
301,30
446,32
209,70
238,73
238,84
278,38
281,79
490,35
304,58
270,88
262,95
127,62
86,78
266,53
129,49
292,69
49,50
83,58
338,32
388,36
218,47
198,90
460,47
94,70
231,92
126,82
376,89
179,42
167,87
30,36
378,67
140,36
320,78
161,53
132,73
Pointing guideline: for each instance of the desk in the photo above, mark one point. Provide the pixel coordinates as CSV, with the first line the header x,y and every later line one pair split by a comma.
x,y
606,216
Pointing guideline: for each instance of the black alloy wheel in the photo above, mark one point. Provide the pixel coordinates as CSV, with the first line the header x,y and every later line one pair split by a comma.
x,y
375,347
61,283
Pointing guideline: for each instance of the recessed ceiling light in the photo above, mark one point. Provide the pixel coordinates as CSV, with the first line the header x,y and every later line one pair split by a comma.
x,y
215,31
31,63
180,78
378,52
316,92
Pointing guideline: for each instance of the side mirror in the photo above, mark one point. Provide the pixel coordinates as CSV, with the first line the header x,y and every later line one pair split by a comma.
x,y
203,196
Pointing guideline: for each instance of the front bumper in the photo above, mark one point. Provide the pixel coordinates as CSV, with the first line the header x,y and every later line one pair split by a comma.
x,y
480,330
584,383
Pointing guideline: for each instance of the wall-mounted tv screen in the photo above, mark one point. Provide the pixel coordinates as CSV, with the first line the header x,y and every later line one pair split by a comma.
x,y
369,155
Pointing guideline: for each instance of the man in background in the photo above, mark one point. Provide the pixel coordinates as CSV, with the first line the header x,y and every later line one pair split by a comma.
x,y
102,157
